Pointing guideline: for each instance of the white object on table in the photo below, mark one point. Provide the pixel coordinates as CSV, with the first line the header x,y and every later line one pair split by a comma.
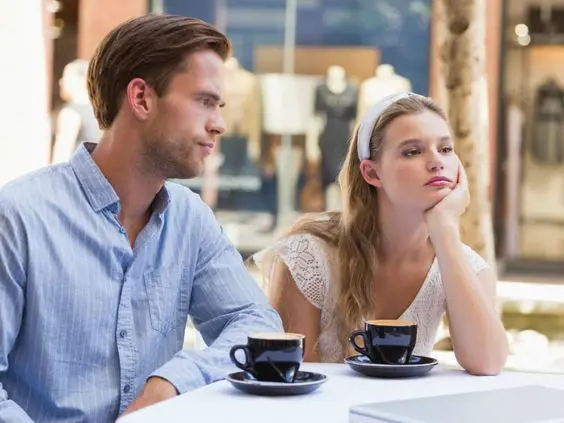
x,y
221,402
522,404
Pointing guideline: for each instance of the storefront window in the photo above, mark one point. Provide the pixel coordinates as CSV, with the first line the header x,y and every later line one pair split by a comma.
x,y
287,133
533,144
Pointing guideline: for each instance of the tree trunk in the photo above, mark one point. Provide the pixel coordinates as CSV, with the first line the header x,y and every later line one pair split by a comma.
x,y
462,41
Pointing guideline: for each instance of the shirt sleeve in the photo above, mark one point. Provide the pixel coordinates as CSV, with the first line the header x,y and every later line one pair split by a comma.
x,y
226,306
12,301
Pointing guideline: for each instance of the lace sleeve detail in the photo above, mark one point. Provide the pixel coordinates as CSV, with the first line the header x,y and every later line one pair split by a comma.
x,y
306,260
477,262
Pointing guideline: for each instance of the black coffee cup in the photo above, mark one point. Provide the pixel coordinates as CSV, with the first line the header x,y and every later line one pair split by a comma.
x,y
386,341
271,357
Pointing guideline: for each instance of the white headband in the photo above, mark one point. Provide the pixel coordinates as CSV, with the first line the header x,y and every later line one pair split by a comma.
x,y
369,120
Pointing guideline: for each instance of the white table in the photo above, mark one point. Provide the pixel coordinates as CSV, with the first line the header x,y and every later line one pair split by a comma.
x,y
221,402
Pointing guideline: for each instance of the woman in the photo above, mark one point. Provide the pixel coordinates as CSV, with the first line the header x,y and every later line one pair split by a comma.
x,y
394,252
76,122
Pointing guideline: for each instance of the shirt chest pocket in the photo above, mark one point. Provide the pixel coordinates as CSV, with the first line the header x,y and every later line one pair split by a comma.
x,y
168,295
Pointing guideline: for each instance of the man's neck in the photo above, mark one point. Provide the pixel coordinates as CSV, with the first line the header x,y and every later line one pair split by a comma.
x,y
121,163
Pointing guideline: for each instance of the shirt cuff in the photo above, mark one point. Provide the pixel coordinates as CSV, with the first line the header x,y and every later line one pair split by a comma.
x,y
10,412
183,374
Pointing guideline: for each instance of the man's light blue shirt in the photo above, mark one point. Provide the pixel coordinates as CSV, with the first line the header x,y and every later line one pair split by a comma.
x,y
85,319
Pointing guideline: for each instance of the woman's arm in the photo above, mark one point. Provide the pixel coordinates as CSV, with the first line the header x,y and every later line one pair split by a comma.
x,y
477,333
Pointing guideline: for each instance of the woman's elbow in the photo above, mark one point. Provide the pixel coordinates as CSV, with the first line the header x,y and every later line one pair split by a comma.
x,y
486,369
488,365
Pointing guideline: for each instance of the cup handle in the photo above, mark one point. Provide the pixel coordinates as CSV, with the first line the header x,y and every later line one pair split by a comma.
x,y
352,340
243,366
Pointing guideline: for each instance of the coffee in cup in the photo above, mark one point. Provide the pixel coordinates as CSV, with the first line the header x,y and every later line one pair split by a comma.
x,y
386,341
271,357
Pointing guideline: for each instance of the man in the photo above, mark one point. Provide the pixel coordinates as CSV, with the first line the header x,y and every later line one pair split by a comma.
x,y
101,261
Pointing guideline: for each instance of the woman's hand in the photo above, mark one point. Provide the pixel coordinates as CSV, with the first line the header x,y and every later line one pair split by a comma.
x,y
452,206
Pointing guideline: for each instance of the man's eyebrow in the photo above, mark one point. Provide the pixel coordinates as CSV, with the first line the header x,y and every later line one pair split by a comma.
x,y
210,94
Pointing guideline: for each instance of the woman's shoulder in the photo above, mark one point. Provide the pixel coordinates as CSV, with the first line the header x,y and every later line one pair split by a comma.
x,y
302,242
312,231
308,252
304,251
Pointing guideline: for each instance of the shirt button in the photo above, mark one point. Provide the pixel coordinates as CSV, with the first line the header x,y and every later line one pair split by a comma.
x,y
122,231
123,334
126,388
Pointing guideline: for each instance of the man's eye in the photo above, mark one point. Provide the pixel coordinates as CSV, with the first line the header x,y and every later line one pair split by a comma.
x,y
208,103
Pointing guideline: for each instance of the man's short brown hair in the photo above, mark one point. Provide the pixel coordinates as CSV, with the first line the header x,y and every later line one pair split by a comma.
x,y
153,47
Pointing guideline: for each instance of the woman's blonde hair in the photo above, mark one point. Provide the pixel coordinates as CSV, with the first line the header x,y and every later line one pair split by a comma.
x,y
355,231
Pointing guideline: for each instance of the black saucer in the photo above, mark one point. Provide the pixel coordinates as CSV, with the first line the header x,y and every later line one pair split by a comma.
x,y
304,383
417,366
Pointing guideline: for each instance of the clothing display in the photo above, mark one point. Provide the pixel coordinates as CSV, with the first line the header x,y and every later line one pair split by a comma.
x,y
530,164
288,109
237,171
547,144
542,186
384,83
288,102
243,111
339,110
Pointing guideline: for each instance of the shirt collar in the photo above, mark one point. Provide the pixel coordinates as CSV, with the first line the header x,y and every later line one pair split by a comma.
x,y
98,190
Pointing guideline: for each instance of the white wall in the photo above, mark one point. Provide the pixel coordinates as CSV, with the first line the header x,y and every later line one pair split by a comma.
x,y
24,122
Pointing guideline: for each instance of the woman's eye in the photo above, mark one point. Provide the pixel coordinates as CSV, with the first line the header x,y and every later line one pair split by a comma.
x,y
448,149
410,153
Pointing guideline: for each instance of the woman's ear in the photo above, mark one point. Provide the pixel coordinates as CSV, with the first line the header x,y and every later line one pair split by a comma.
x,y
370,173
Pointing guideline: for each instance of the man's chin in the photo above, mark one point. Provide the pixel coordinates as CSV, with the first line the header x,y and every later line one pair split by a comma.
x,y
187,173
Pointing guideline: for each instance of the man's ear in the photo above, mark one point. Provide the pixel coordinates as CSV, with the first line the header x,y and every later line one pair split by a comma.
x,y
370,173
140,98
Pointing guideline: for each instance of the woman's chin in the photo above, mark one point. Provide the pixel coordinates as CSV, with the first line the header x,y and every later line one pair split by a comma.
x,y
435,197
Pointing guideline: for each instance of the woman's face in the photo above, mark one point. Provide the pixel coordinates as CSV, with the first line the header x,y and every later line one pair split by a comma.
x,y
417,166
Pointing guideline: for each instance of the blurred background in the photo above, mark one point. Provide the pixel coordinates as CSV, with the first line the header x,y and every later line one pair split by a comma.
x,y
303,72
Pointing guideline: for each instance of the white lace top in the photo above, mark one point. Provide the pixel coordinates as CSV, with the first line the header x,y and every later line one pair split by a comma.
x,y
311,267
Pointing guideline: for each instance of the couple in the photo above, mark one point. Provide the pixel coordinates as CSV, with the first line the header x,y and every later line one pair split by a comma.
x,y
102,261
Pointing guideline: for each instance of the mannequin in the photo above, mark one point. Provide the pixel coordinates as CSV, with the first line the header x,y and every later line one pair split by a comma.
x,y
336,100
288,101
242,111
547,145
385,82
239,147
542,185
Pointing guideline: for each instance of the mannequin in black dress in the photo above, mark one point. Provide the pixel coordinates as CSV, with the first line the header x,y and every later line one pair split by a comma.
x,y
336,100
